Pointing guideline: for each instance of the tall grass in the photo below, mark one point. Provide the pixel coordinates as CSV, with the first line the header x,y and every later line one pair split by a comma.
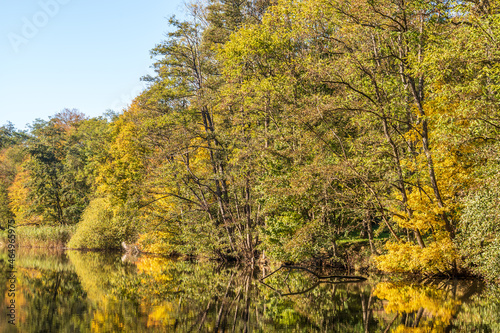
x,y
41,236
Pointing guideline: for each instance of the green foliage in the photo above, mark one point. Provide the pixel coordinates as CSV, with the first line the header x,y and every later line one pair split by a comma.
x,y
9,136
479,238
278,232
290,237
104,226
58,190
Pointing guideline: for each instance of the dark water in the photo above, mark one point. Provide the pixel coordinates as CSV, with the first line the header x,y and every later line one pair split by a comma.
x,y
96,292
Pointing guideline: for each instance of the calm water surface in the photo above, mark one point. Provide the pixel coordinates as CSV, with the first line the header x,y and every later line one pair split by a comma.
x,y
96,292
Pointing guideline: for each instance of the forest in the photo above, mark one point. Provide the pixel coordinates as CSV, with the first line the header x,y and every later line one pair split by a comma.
x,y
341,132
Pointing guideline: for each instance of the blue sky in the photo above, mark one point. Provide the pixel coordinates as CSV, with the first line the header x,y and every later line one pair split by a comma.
x,y
83,54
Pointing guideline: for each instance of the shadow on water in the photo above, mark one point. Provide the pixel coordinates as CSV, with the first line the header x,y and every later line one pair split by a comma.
x,y
101,292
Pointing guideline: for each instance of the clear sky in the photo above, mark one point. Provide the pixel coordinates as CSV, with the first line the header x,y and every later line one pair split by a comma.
x,y
83,54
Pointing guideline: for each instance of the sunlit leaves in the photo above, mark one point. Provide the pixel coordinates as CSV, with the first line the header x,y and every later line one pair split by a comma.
x,y
438,257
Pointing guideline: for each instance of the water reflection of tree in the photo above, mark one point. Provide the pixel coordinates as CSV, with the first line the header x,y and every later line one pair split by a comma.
x,y
424,307
304,271
209,298
481,314
52,300
96,292
48,293
322,302
102,276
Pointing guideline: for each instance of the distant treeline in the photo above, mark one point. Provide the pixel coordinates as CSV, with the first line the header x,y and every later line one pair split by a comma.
x,y
286,129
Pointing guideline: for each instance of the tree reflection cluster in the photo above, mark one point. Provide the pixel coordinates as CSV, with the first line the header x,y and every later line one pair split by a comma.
x,y
97,292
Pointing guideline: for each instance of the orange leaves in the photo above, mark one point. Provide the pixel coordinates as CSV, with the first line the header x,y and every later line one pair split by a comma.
x,y
18,196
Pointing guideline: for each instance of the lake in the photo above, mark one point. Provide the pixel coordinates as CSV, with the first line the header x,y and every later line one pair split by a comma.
x,y
72,291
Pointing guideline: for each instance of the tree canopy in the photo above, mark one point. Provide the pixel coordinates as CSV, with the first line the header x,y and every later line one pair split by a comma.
x,y
296,130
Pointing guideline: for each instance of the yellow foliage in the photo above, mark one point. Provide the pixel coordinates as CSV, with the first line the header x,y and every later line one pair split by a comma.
x,y
154,242
18,193
18,196
452,178
124,168
436,257
200,159
426,214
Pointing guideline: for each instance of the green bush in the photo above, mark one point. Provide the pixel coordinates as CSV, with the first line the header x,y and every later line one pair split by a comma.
x,y
279,232
103,226
479,238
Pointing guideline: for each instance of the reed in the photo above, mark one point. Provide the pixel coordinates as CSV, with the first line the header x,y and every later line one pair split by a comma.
x,y
41,236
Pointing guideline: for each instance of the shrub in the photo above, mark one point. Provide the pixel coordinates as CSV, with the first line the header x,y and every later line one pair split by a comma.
x,y
103,226
479,237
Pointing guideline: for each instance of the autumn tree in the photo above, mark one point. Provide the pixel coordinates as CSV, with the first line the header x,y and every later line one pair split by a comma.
x,y
194,184
57,191
11,157
463,87
351,78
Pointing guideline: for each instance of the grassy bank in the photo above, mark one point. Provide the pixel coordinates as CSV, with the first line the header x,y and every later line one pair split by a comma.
x,y
41,236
